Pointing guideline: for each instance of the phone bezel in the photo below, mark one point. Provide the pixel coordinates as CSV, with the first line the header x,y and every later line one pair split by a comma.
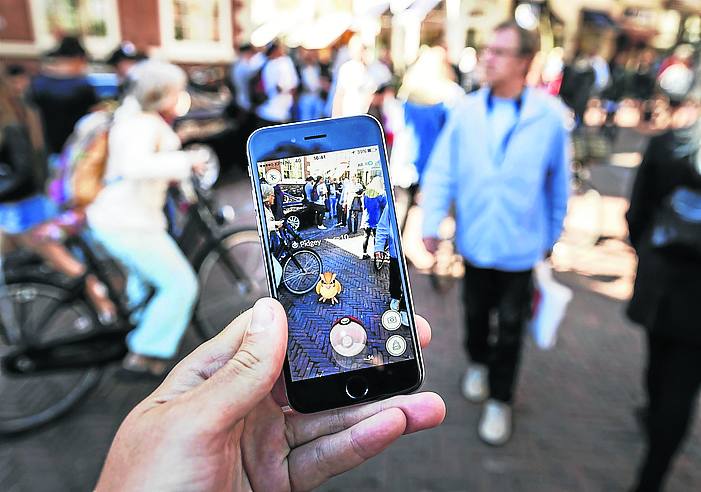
x,y
327,392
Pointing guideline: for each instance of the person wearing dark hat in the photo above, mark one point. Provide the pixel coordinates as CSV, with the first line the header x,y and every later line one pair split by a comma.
x,y
123,58
62,92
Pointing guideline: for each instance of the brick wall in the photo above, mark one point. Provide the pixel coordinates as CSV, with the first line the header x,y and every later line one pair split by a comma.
x,y
17,25
140,23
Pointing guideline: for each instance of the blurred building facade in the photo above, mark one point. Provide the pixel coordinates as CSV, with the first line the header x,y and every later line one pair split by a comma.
x,y
208,31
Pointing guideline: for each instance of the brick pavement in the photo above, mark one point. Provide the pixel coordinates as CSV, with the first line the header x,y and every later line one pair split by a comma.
x,y
574,425
364,296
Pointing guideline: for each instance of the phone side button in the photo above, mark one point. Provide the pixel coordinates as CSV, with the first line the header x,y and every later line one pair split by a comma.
x,y
356,387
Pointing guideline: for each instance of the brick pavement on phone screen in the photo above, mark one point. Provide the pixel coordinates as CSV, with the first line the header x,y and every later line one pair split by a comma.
x,y
364,296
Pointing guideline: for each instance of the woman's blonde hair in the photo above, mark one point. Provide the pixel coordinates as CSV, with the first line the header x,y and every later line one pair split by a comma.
x,y
151,81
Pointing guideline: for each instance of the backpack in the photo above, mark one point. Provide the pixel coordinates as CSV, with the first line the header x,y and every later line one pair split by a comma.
x,y
315,193
256,87
82,163
357,204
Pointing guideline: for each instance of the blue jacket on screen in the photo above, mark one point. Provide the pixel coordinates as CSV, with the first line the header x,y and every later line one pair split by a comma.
x,y
384,236
373,209
508,214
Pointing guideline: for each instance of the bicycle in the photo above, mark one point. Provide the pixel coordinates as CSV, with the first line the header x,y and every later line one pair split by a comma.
x,y
301,267
53,347
381,259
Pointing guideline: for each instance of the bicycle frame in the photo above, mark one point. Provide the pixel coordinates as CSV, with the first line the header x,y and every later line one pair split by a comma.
x,y
200,234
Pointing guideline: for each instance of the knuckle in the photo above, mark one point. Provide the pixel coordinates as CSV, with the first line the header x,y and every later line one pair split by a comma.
x,y
244,360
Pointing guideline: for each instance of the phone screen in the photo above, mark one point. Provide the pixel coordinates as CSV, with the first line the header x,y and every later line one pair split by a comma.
x,y
332,233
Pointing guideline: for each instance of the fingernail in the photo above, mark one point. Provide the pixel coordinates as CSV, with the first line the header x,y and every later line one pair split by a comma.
x,y
263,316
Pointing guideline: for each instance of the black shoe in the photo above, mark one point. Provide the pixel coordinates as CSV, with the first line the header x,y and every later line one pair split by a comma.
x,y
366,256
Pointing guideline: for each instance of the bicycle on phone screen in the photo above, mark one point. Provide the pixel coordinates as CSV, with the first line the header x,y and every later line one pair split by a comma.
x,y
301,266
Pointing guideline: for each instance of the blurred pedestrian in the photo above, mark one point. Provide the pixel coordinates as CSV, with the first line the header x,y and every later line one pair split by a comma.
x,y
279,202
386,244
333,198
62,92
279,79
374,202
502,159
311,196
18,80
344,201
319,196
662,220
249,61
310,105
354,85
127,216
428,91
26,212
578,85
123,59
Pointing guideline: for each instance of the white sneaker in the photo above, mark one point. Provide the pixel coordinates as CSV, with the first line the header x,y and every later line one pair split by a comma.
x,y
474,383
495,423
321,227
394,304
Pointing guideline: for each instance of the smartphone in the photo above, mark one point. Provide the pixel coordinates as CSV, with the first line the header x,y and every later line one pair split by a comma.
x,y
333,258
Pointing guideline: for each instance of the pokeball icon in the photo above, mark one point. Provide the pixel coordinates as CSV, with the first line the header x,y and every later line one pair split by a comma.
x,y
396,345
348,337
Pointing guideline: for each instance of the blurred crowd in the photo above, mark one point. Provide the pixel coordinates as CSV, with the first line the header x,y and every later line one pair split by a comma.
x,y
508,181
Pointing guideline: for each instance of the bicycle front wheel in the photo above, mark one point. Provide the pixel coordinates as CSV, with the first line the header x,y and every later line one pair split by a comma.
x,y
301,271
35,313
232,278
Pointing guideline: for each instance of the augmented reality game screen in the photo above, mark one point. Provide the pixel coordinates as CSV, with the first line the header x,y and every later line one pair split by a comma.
x,y
324,214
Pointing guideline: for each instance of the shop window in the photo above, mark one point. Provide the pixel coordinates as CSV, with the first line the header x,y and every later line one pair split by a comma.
x,y
196,20
196,30
84,17
95,21
292,170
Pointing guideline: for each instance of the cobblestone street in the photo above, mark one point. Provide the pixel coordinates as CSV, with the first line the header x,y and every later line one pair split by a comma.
x,y
575,428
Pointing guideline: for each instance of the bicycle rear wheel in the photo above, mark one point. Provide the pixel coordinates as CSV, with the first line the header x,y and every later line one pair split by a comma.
x,y
36,313
232,278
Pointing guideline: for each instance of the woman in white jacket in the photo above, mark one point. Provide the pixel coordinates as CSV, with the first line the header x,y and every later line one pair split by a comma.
x,y
127,217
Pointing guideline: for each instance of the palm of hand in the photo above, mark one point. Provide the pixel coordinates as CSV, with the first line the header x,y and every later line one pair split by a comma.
x,y
216,422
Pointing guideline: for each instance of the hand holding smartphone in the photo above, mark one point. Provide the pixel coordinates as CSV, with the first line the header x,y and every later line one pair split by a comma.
x,y
352,336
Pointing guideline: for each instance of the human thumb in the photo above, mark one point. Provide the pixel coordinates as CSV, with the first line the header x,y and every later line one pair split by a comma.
x,y
248,377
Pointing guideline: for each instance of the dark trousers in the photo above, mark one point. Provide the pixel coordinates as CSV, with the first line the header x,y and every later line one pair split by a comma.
x,y
508,295
672,381
341,214
353,221
395,283
319,211
369,231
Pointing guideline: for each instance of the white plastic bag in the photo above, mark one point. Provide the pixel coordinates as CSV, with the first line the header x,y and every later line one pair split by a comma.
x,y
552,299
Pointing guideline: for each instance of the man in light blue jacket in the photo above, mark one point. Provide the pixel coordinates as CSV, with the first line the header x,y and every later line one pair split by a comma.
x,y
502,159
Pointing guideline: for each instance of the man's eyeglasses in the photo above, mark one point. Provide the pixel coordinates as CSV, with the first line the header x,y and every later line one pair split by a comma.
x,y
499,52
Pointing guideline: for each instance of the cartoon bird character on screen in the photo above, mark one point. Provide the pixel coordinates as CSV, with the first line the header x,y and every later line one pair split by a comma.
x,y
328,287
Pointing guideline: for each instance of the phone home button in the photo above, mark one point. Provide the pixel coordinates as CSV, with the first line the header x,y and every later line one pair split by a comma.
x,y
357,387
